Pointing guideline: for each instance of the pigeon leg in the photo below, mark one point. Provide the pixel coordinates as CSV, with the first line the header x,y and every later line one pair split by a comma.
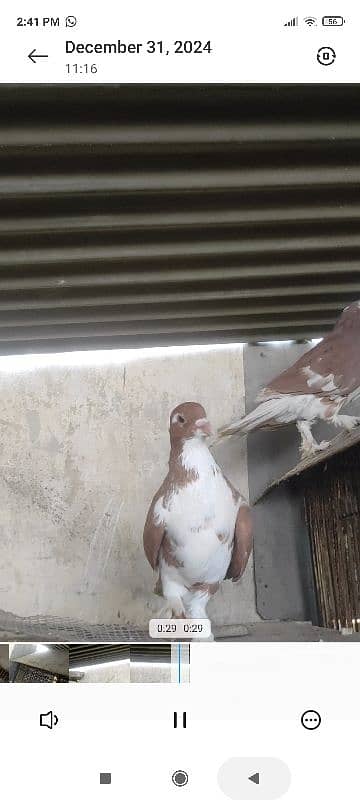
x,y
309,445
195,605
345,421
173,593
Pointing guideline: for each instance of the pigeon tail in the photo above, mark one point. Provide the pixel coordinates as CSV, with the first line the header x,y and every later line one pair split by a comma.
x,y
270,413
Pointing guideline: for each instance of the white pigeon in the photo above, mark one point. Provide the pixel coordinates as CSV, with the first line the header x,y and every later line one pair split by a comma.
x,y
198,529
315,388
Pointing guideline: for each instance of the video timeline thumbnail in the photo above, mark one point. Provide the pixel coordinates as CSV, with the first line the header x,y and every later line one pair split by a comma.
x,y
94,663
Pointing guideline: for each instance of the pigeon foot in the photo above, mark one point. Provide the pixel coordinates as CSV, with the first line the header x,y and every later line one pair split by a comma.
x,y
174,609
346,421
313,448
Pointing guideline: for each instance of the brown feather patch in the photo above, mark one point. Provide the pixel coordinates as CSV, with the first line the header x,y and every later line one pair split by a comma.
x,y
243,540
337,355
208,588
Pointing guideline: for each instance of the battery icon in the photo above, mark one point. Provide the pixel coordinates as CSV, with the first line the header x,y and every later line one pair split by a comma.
x,y
335,22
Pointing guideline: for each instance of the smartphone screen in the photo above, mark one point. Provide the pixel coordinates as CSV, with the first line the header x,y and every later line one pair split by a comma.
x,y
180,400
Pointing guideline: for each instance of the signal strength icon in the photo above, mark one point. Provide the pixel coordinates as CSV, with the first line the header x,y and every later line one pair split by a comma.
x,y
292,22
310,21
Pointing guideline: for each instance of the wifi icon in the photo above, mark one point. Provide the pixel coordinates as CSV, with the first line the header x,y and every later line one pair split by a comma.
x,y
310,21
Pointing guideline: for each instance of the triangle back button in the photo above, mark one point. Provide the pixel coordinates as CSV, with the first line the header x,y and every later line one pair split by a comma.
x,y
255,778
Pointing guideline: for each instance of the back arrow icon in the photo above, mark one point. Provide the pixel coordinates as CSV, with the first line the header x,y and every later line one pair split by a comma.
x,y
33,55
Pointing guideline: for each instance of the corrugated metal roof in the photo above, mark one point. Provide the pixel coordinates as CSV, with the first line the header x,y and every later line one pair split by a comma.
x,y
147,215
86,654
155,652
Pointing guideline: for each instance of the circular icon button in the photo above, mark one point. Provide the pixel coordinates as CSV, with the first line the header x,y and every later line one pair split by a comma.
x,y
326,56
180,778
311,720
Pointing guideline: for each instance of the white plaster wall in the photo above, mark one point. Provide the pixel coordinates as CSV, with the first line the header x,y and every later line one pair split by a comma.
x,y
85,445
150,673
117,673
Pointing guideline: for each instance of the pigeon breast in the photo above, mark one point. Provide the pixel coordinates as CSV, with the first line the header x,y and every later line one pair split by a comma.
x,y
199,516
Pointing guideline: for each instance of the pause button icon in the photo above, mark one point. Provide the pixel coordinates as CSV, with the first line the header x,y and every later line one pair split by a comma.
x,y
184,721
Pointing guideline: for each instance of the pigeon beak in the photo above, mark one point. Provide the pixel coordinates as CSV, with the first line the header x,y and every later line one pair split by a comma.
x,y
204,426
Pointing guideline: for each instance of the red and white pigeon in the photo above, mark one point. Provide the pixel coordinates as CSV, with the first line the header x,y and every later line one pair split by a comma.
x,y
315,388
198,529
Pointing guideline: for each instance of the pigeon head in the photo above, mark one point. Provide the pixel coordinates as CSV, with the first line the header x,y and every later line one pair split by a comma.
x,y
188,421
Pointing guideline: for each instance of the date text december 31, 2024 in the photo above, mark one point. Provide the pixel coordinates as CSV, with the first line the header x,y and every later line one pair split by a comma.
x,y
138,48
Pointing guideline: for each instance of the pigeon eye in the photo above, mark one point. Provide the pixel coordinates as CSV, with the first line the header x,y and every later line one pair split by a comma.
x,y
181,419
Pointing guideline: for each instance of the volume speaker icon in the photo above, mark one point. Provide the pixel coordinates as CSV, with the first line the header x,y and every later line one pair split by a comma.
x,y
310,21
48,720
292,23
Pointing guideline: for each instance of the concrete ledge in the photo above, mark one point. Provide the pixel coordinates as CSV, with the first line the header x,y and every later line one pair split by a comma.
x,y
287,632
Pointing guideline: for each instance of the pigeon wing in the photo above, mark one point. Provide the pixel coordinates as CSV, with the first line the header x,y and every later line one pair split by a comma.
x,y
154,532
243,539
330,369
